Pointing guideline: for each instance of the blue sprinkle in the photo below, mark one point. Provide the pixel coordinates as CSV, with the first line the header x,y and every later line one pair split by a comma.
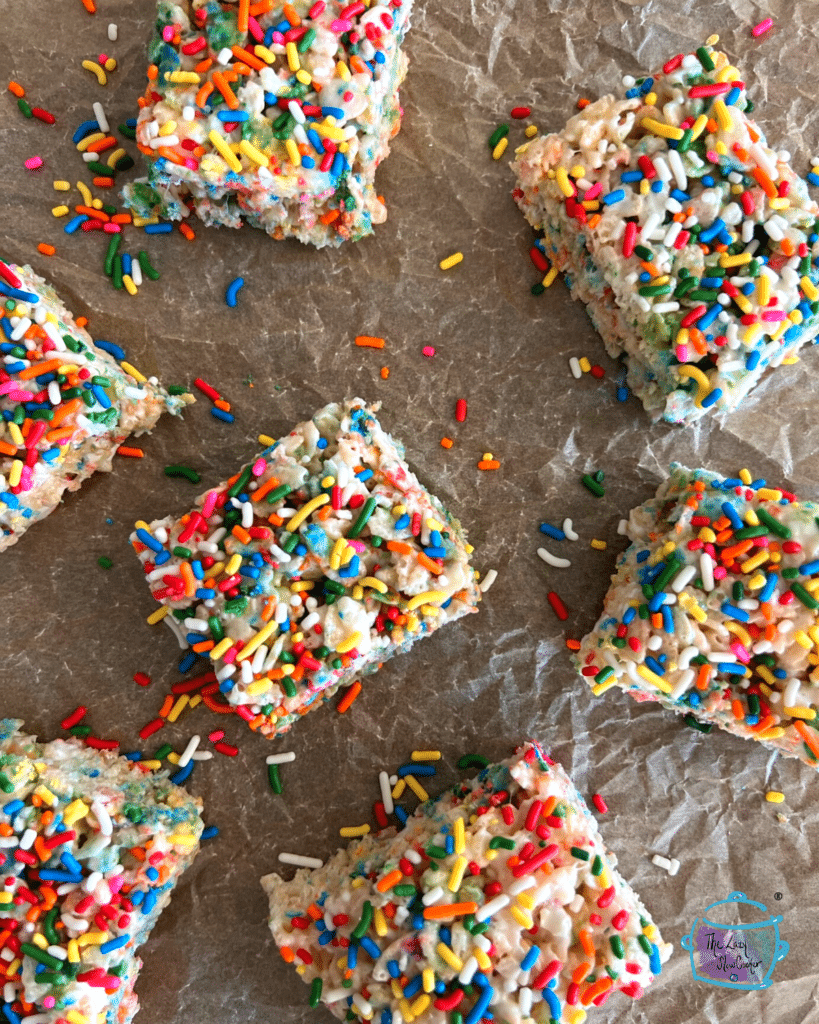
x,y
766,593
622,393
163,557
386,1015
614,197
189,660
413,987
552,531
158,229
126,263
74,223
415,769
555,1008
336,112
657,186
117,943
628,176
656,602
184,773
85,129
809,568
364,474
694,700
732,96
401,814
402,522
49,875
731,668
731,513
211,832
708,181
308,162
379,57
780,673
232,291
101,396
110,348
433,552
679,195
654,961
668,619
393,969
655,666
641,556
233,116
149,902
813,179
12,807
733,612
710,233
9,499
370,947
148,540
482,1005
708,318
135,755
530,959
11,1016
752,361
202,594
712,398
220,414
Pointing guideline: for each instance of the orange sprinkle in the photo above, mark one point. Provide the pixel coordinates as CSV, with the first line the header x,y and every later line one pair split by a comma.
x,y
367,341
132,453
389,880
443,911
91,212
330,216
152,73
7,449
269,608
752,132
809,736
287,954
764,182
358,66
204,92
580,973
58,436
101,145
36,369
186,573
582,103
292,15
597,989
165,710
399,547
737,709
186,230
703,676
241,534
121,218
573,645
220,82
90,6
446,442
348,697
267,486
489,464
262,7
102,181
385,372
787,247
46,249
657,620
429,564
205,645
220,403
242,16
247,57
587,942
17,90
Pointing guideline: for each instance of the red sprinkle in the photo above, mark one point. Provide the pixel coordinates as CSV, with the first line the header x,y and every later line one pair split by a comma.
x,y
460,410
142,679
673,64
151,728
520,112
43,115
74,717
557,606
600,803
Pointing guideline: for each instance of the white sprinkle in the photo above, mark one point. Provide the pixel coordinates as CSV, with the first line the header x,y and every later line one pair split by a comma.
x,y
492,907
300,862
225,55
521,885
622,527
550,559
296,111
99,113
677,169
284,758
685,657
567,529
103,818
196,625
202,755
468,972
386,792
432,896
362,1005
683,578
675,866
661,862
27,839
412,856
112,32
574,366
707,571
685,681
488,580
666,307
189,751
334,994
136,273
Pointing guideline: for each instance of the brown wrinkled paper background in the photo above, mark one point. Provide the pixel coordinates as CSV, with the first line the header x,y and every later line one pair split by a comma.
x,y
73,633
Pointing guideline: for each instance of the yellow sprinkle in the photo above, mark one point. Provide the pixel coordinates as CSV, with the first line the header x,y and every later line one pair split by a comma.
x,y
767,675
607,684
667,131
752,332
756,582
168,128
134,372
92,939
293,61
459,835
578,171
416,787
456,876
256,155
404,1006
224,150
234,565
75,1017
809,288
698,127
117,154
293,152
300,586
178,708
266,55
182,78
449,957
690,372
257,640
531,131
645,187
179,839
62,186
353,831
773,796
158,615
349,643
651,677
500,148
45,794
130,287
428,979
769,494
780,203
585,365
739,260
375,583
398,789
598,545
152,764
6,897
83,144
95,69
428,596
522,918
809,714
59,211
484,962
258,686
548,280
451,261
380,922
562,179
307,510
39,940
526,900
775,733
221,648
110,64
15,473
754,563
215,570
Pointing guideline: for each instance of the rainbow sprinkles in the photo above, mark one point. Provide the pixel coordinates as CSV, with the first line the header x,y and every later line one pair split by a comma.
x,y
320,559
714,610
690,241
274,114
497,901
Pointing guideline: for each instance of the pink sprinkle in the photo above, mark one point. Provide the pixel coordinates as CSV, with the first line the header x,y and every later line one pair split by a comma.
x,y
49,1002
209,504
255,29
191,164
428,351
259,467
713,156
34,163
682,353
216,735
762,28
773,314
167,33
341,25
593,192
111,229
720,572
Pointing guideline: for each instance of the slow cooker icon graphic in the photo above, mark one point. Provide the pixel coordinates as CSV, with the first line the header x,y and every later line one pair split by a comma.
x,y
739,956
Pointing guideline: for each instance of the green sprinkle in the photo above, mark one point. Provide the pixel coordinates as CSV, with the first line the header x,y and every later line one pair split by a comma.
x,y
592,485
644,252
790,574
113,246
289,542
278,493
651,290
145,264
616,944
472,761
315,987
48,926
5,783
99,168
703,295
672,568
127,131
117,273
404,889
804,596
684,287
163,752
40,956
499,133
289,686
25,109
125,163
747,532
306,41
738,591
104,562
704,56
182,552
183,471
575,851
215,627
80,730
699,726
501,843
645,945
604,674
177,389
753,703
538,289
438,852
274,778
360,929
685,142
239,485
773,524
597,865
363,517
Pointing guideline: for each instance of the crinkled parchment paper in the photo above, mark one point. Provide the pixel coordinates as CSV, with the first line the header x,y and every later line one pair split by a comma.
x,y
76,634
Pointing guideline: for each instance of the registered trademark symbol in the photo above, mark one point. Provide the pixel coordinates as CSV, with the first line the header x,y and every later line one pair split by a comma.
x,y
777,895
